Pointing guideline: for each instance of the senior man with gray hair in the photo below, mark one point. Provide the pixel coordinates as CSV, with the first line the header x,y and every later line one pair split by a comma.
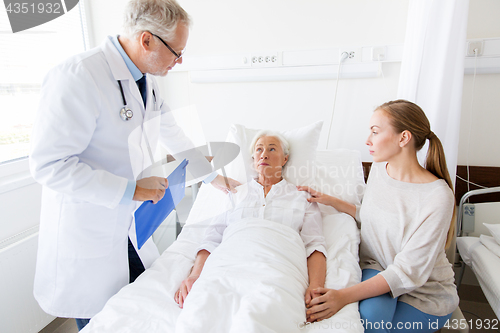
x,y
100,116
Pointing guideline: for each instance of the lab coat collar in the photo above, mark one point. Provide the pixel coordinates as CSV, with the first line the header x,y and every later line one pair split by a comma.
x,y
134,70
116,63
119,68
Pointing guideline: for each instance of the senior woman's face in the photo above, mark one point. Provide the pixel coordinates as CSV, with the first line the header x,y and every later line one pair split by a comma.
x,y
268,156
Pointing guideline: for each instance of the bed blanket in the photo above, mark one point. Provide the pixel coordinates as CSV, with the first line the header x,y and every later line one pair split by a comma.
x,y
147,305
253,282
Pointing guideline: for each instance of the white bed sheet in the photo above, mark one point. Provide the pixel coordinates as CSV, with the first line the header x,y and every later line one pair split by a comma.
x,y
491,244
147,305
485,265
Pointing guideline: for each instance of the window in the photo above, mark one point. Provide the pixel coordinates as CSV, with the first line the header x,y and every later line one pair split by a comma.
x,y
25,58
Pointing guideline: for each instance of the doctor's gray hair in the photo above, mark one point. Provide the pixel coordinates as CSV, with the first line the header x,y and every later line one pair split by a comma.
x,y
159,17
284,143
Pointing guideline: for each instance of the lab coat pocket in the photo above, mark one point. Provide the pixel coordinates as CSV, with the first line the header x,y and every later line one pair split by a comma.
x,y
86,230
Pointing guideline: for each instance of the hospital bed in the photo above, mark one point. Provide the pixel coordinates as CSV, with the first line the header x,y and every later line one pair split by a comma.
x,y
482,254
147,305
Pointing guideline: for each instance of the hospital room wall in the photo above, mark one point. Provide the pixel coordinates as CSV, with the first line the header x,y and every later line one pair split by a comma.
x,y
232,27
479,142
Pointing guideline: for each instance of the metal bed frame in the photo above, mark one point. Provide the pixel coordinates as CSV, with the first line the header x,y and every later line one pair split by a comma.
x,y
461,208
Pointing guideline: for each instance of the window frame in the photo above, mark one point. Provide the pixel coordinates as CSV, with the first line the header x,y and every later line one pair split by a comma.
x,y
15,173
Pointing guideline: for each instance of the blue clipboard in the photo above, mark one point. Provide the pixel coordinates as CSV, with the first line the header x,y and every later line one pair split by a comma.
x,y
149,216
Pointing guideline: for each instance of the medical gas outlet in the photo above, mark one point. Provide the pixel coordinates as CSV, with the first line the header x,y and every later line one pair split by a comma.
x,y
265,59
469,218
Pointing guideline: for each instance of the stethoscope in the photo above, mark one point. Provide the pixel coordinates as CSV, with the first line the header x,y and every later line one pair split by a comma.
x,y
125,112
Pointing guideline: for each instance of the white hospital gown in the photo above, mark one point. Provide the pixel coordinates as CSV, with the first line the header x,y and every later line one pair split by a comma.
x,y
283,204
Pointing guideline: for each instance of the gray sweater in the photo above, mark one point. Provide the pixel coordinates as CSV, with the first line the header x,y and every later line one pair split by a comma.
x,y
403,232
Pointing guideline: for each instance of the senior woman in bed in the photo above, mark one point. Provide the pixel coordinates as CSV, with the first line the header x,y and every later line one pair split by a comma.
x,y
270,152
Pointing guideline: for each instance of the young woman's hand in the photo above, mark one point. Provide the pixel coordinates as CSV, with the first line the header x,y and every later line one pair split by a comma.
x,y
184,289
316,196
324,304
325,199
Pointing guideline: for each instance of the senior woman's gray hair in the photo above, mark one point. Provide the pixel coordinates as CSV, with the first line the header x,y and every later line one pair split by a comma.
x,y
284,143
159,17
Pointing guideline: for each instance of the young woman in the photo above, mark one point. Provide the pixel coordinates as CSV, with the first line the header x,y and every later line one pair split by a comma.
x,y
406,220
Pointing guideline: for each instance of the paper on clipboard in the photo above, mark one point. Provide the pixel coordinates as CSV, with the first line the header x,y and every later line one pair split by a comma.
x,y
149,216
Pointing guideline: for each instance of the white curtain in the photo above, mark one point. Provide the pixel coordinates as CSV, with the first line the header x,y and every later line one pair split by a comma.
x,y
432,68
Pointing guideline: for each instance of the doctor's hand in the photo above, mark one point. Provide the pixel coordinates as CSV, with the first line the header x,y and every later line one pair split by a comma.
x,y
325,303
184,289
316,196
151,188
221,183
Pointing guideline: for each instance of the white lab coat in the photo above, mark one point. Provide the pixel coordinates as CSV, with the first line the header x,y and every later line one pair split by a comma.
x,y
83,154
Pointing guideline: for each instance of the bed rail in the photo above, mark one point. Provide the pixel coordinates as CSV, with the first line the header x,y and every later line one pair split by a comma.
x,y
466,196
461,207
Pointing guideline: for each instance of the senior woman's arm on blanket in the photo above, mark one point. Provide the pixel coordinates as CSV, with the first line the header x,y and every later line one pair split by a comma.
x,y
187,284
314,242
316,267
212,239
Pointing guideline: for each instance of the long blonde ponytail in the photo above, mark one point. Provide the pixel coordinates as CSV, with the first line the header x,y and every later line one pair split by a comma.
x,y
435,162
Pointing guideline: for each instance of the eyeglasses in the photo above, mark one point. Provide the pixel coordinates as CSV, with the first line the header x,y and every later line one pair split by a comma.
x,y
177,56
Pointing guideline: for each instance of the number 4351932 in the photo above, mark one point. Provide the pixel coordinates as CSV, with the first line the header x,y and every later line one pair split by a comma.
x,y
458,324
40,8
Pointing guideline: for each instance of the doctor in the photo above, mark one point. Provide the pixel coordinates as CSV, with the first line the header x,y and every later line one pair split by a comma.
x,y
100,116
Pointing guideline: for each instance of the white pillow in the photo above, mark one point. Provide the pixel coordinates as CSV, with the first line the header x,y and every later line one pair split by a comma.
x,y
339,172
494,230
299,169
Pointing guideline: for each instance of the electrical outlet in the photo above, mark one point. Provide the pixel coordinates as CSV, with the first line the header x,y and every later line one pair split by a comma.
x,y
265,59
353,54
473,45
379,53
469,218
